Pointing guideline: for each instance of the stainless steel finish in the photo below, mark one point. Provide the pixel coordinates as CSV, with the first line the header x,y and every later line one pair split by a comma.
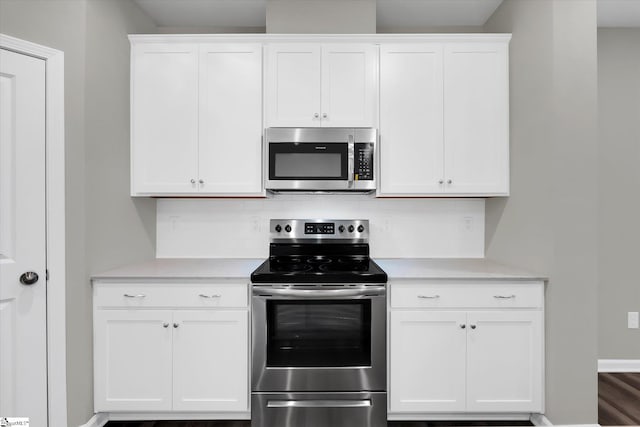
x,y
165,325
504,296
266,379
473,326
429,296
193,181
297,233
356,409
29,278
318,292
449,181
135,296
321,135
463,326
319,403
175,325
210,296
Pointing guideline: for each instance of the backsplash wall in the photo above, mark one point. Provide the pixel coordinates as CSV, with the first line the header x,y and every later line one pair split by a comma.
x,y
228,228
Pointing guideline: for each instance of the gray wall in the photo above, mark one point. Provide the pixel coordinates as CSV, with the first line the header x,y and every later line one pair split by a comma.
x,y
619,208
321,16
105,228
549,223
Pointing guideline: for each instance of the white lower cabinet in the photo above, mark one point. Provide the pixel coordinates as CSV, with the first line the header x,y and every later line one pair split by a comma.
x,y
451,354
164,348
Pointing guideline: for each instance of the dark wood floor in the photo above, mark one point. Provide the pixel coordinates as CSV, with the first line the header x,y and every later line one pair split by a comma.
x,y
248,424
619,399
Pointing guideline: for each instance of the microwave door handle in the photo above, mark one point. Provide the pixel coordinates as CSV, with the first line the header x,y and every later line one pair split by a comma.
x,y
351,160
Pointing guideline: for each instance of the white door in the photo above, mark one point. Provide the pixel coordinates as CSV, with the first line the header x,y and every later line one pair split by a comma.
x,y
207,376
504,361
476,118
427,361
411,129
132,360
164,118
230,143
293,85
348,85
23,363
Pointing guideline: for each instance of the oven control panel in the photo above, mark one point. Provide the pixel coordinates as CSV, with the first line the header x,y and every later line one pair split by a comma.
x,y
319,229
363,159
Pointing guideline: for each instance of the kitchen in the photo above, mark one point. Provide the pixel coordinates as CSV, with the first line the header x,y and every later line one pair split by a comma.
x,y
540,227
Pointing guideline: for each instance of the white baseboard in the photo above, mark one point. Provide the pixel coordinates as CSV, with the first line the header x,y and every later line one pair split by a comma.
x,y
540,420
98,420
618,365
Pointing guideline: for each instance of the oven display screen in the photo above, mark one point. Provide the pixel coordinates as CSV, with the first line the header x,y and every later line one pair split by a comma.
x,y
319,228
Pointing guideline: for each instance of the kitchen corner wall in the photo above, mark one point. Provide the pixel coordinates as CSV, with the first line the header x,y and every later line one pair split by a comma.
x,y
619,108
224,228
549,223
105,228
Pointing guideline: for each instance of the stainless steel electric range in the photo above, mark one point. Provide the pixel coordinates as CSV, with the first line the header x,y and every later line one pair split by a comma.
x,y
319,328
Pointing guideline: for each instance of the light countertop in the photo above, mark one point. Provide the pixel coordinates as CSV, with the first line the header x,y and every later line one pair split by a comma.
x,y
396,268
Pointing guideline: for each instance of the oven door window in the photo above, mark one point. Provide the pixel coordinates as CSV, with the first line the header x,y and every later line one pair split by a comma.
x,y
318,333
308,161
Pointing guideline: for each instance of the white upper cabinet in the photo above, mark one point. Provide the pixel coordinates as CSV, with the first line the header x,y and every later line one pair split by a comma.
x,y
476,118
444,119
196,119
312,85
164,125
411,123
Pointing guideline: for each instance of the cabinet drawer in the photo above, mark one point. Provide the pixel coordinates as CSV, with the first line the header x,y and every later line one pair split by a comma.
x,y
152,295
466,295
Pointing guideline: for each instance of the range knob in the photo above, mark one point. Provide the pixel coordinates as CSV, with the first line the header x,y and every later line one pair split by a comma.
x,y
360,228
278,228
341,229
351,228
287,228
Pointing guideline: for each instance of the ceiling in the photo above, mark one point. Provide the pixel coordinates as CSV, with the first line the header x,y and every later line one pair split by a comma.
x,y
390,13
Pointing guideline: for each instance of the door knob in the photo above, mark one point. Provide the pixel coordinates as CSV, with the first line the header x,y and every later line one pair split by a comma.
x,y
29,278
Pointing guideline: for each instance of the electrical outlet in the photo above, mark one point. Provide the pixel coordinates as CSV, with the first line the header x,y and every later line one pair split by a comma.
x,y
633,320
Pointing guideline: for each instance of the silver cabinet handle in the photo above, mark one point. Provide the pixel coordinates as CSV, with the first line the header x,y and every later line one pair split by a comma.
x,y
504,296
463,326
316,115
473,326
449,181
429,296
201,181
165,325
324,115
193,181
441,181
135,296
210,296
319,403
175,325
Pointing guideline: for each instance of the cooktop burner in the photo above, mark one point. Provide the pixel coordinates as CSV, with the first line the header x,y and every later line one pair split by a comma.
x,y
319,251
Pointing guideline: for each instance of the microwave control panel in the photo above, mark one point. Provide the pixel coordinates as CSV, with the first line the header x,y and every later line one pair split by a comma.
x,y
363,162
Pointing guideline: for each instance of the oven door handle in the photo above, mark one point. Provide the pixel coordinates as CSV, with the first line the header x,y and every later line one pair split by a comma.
x,y
373,291
319,403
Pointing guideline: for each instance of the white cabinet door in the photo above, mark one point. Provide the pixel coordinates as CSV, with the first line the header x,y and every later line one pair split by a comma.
x,y
164,124
411,120
132,358
504,362
427,361
476,118
230,143
293,85
211,359
348,85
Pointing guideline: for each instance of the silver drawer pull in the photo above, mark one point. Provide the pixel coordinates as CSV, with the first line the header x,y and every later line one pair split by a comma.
x,y
504,296
319,403
429,296
210,296
135,296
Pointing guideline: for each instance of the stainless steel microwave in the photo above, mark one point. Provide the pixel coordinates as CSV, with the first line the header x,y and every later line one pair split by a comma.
x,y
320,159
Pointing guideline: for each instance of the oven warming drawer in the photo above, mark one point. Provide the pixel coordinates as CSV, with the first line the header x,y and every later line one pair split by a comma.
x,y
319,409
